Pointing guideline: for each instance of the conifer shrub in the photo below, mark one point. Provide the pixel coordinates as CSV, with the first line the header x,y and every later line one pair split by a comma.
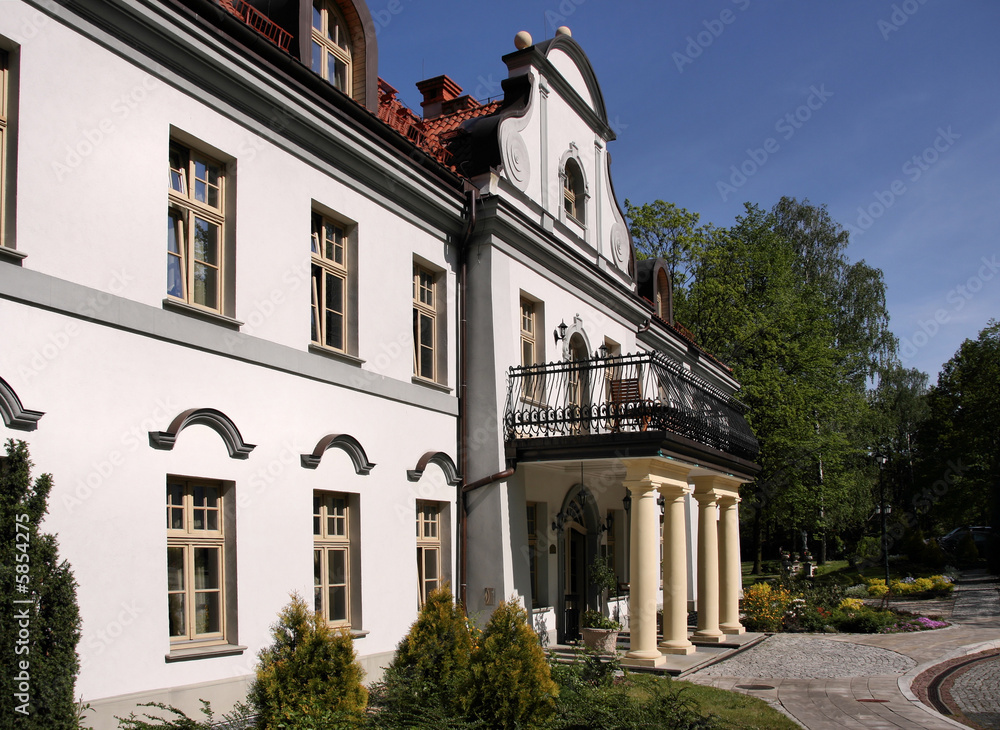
x,y
310,671
512,686
633,702
42,633
428,682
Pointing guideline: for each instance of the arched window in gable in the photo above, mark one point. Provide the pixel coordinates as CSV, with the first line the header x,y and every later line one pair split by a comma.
x,y
331,46
574,192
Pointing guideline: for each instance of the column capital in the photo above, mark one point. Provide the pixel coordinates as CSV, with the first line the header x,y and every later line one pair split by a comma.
x,y
722,486
657,473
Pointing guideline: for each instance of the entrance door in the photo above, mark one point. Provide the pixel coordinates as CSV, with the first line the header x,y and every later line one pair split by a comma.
x,y
575,579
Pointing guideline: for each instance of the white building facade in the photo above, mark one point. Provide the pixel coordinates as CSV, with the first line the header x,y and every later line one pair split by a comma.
x,y
311,389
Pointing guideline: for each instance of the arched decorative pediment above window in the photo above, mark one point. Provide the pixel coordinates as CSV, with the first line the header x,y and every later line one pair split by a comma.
x,y
440,458
346,443
15,415
337,41
215,420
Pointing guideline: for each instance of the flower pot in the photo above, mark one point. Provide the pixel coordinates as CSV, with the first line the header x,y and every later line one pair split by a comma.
x,y
604,641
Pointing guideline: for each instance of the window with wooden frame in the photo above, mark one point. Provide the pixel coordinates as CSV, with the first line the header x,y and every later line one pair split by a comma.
x,y
329,282
196,545
533,551
529,347
4,135
332,557
196,220
425,324
573,191
331,45
428,549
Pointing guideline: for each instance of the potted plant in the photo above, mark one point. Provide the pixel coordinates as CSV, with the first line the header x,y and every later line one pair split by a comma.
x,y
600,632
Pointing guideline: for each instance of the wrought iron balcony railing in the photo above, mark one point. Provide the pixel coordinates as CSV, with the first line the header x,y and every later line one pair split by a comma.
x,y
626,393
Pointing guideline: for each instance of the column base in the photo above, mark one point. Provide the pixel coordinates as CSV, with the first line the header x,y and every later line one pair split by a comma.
x,y
675,647
736,629
643,660
709,637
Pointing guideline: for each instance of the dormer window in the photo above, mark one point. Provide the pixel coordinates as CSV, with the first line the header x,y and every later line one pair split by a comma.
x,y
573,192
331,45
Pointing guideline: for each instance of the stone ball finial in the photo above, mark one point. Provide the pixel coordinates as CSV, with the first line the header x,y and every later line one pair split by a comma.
x,y
564,30
522,40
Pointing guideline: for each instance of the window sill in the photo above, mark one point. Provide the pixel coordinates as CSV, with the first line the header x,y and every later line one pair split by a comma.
x,y
204,652
334,354
359,633
199,313
12,255
430,384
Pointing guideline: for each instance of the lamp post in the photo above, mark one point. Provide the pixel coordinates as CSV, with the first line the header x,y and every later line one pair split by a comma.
x,y
881,488
627,504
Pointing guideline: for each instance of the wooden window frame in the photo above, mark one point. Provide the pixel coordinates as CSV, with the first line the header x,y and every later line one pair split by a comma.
x,y
528,314
188,538
532,529
323,46
425,306
4,140
427,542
324,268
574,197
182,208
327,542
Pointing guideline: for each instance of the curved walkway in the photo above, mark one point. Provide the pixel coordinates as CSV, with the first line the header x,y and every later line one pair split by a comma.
x,y
864,681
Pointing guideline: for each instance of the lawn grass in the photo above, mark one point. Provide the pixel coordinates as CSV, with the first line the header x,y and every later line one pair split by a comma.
x,y
734,710
749,578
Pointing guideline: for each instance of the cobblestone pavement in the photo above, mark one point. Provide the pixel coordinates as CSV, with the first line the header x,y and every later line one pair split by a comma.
x,y
863,681
803,656
975,691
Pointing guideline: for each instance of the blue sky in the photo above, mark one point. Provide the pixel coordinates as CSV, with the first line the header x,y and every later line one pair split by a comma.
x,y
895,121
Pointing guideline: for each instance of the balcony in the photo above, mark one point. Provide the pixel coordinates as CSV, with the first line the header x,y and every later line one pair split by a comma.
x,y
644,393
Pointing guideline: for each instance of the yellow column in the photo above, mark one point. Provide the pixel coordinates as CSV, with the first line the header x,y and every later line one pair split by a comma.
x,y
708,562
644,572
675,636
730,573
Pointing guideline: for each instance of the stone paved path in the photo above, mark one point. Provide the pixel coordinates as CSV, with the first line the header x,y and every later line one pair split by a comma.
x,y
863,681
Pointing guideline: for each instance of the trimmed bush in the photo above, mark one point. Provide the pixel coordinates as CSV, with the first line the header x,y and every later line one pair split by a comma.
x,y
636,701
309,671
428,680
30,570
511,683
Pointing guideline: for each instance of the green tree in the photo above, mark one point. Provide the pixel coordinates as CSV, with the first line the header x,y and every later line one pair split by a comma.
x,y
661,229
38,638
512,686
429,677
960,440
310,670
764,300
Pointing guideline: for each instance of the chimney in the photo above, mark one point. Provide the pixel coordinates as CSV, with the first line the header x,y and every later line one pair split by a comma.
x,y
437,92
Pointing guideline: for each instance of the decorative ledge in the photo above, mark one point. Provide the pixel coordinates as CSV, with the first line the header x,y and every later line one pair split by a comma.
x,y
335,354
14,414
442,460
204,652
344,442
12,254
198,312
216,420
430,384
